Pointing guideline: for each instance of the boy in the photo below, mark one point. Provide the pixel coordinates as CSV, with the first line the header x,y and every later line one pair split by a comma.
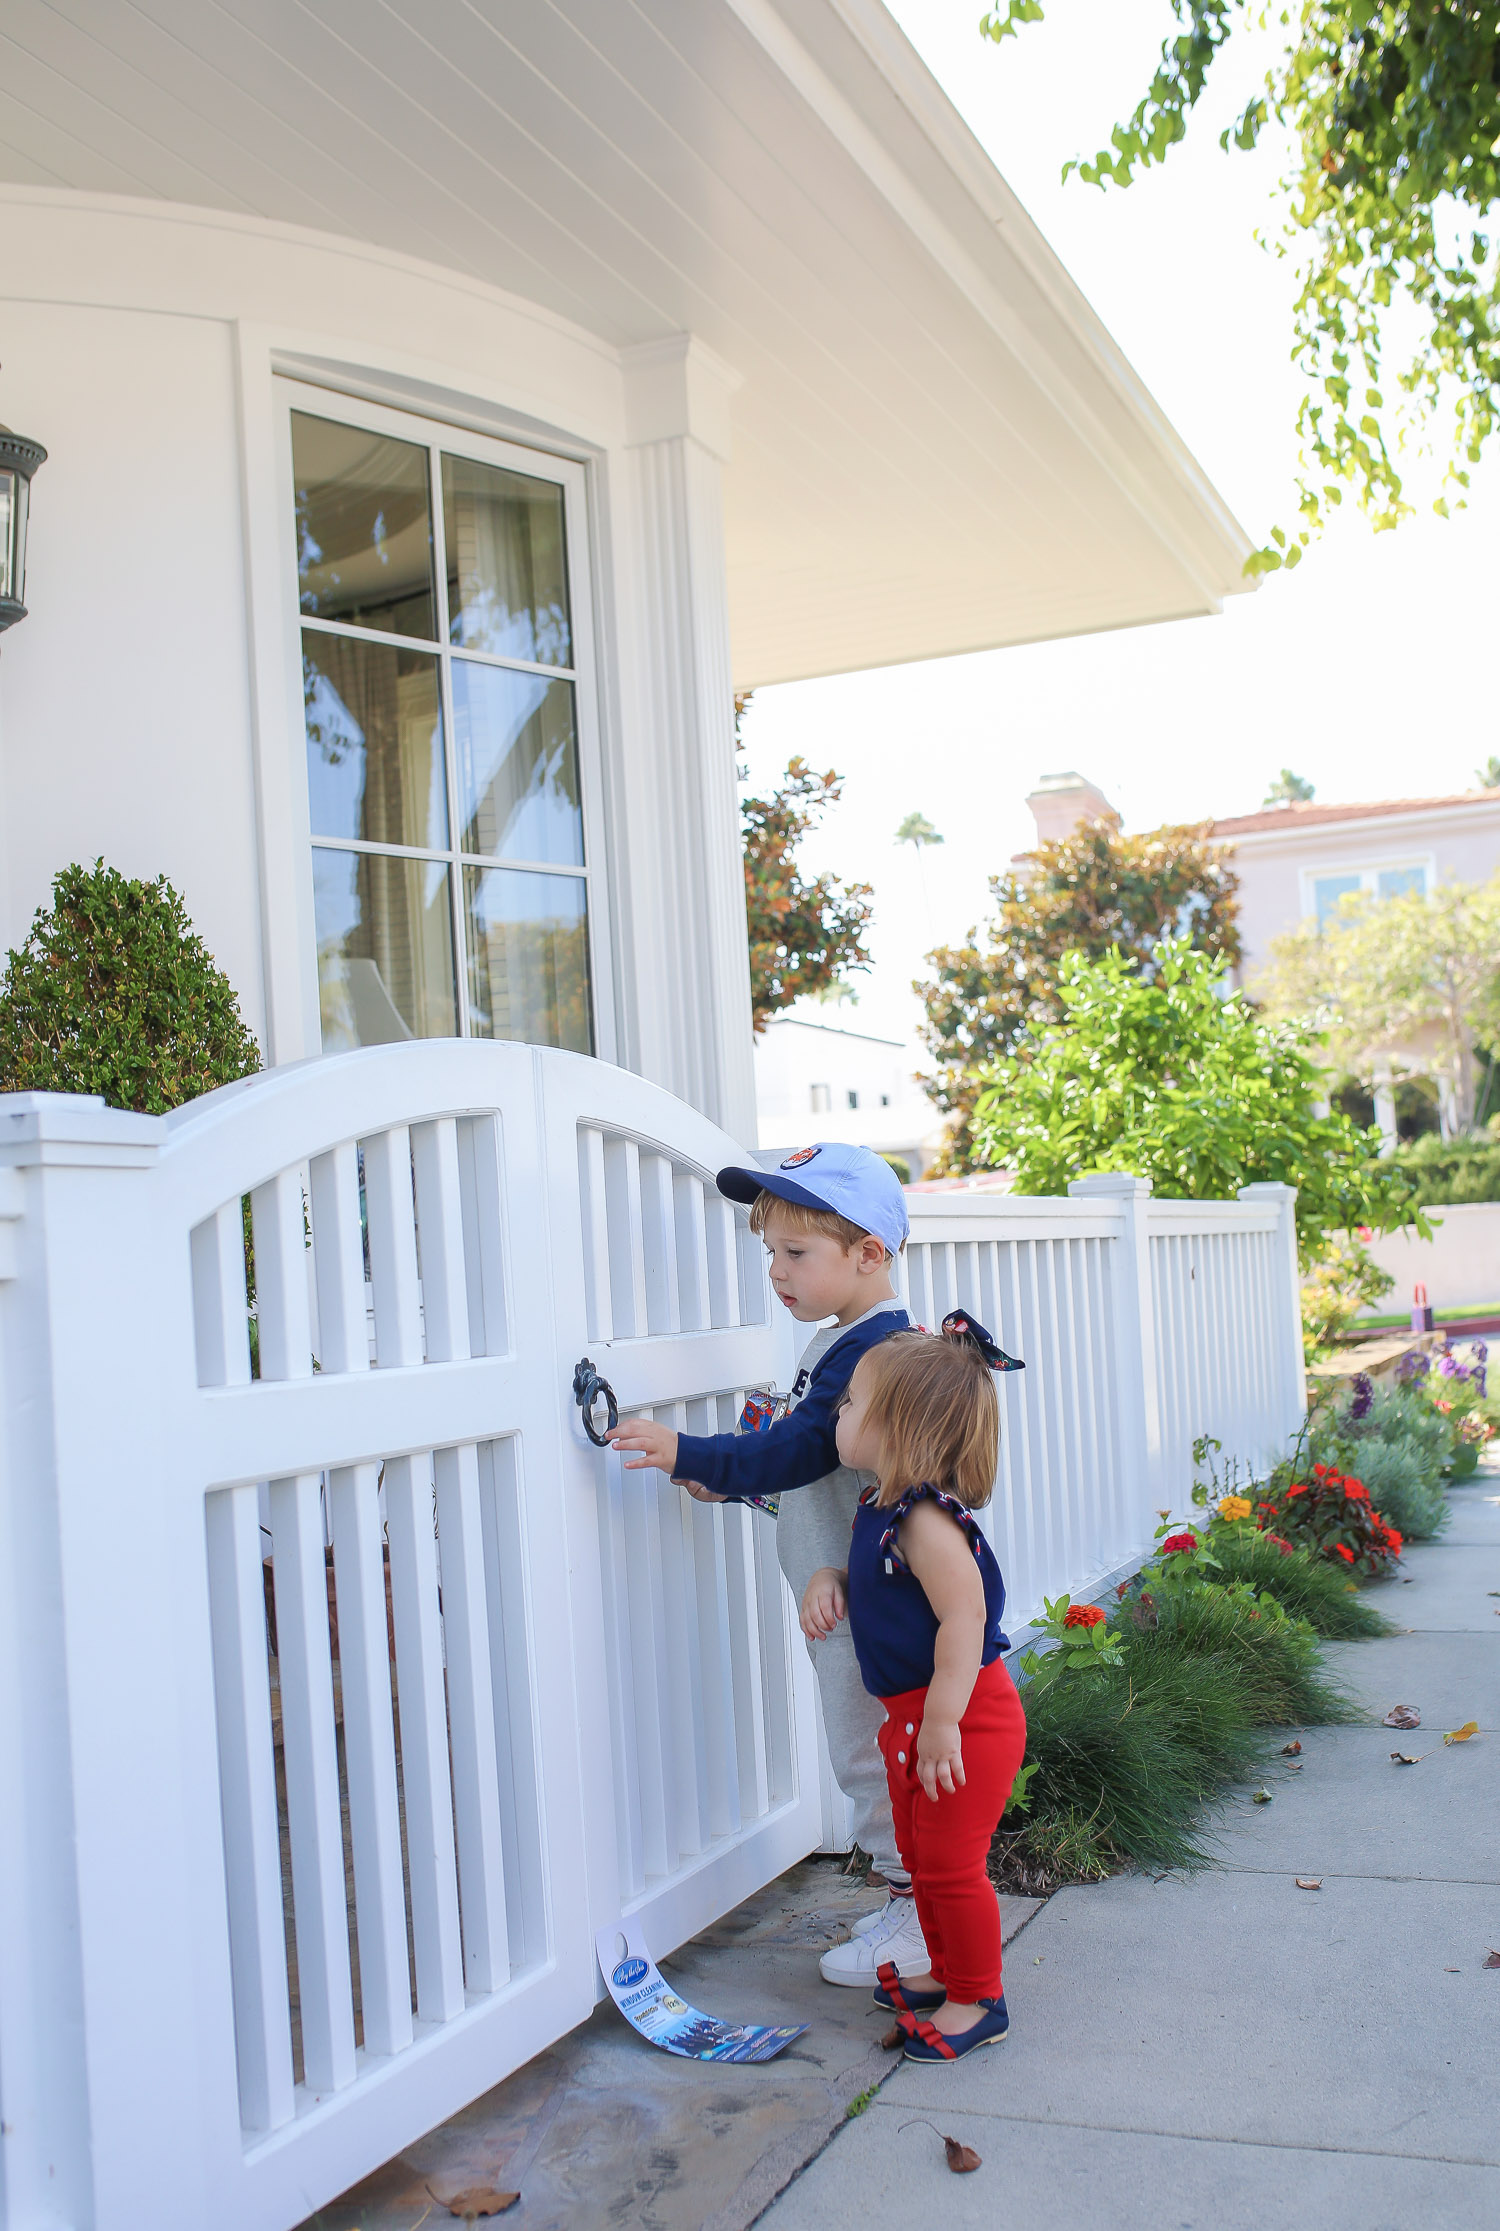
x,y
833,1220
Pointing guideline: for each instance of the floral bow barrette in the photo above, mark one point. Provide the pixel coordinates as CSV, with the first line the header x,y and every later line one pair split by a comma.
x,y
959,1325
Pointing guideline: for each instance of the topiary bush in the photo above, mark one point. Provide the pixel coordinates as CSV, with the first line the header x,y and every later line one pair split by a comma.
x,y
114,993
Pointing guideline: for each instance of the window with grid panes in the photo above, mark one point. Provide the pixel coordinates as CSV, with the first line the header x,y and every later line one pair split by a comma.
x,y
440,694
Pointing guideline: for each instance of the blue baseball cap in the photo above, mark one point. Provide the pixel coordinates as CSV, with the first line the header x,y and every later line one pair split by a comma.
x,y
849,1180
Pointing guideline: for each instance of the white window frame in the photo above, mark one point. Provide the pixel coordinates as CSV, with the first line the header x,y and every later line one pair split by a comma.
x,y
1369,873
439,435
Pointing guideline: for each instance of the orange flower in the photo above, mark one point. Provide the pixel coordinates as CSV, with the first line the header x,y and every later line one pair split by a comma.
x,y
1340,1551
1083,1615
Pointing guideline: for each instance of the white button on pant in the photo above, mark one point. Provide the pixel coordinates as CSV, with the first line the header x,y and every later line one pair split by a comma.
x,y
901,1758
910,1728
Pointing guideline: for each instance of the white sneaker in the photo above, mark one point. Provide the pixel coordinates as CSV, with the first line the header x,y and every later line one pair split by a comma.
x,y
896,1936
869,1921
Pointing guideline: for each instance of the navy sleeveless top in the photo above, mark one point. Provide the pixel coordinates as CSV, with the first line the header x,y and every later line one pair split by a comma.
x,y
893,1626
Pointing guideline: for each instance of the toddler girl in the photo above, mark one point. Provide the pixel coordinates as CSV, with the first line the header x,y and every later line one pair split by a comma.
x,y
924,1597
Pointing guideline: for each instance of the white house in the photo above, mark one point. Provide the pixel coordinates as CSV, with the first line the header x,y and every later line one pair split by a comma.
x,y
442,416
818,1081
446,407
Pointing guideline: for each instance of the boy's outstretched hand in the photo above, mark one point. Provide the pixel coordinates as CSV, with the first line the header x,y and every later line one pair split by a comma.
x,y
657,1444
824,1603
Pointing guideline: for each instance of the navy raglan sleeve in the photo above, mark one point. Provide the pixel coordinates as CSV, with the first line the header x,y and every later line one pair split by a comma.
x,y
797,1449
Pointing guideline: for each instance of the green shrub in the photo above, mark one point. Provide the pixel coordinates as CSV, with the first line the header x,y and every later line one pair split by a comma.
x,y
113,993
1307,1586
1400,1488
1397,1415
1447,1172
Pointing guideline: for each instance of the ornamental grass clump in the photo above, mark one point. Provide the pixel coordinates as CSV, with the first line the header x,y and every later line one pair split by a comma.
x,y
1267,1659
113,993
1309,1587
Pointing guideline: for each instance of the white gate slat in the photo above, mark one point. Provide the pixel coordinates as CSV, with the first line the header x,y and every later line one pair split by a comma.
x,y
338,1259
772,1600
715,1680
506,1563
723,1261
691,1227
221,1321
481,1181
370,1757
281,1297
319,1910
683,1652
247,1791
619,1655
627,1255
593,1198
425,1779
471,1715
440,1240
644,1615
392,1222
659,1244
752,1765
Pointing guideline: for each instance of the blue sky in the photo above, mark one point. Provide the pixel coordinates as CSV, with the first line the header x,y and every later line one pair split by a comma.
x,y
1368,669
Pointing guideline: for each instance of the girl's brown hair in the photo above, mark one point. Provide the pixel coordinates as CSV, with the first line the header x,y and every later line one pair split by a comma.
x,y
938,1413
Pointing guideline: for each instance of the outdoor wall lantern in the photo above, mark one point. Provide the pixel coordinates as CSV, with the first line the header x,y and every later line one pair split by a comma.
x,y
19,459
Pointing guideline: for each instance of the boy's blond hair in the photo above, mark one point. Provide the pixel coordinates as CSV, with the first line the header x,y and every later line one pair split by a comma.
x,y
938,1414
797,1218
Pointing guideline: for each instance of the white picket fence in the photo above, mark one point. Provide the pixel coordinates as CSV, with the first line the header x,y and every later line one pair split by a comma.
x,y
348,1688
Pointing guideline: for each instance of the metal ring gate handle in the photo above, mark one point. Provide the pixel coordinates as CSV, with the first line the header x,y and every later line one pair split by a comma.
x,y
588,1387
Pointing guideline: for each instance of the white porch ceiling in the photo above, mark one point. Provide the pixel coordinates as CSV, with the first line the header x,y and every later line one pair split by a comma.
x,y
937,446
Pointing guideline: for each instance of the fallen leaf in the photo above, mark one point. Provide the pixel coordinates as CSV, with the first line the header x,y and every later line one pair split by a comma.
x,y
482,2200
1291,1750
1492,1962
1036,1963
1407,1758
1261,1797
1453,1971
892,2038
1294,1766
1403,1716
1492,1592
1309,1882
1462,1734
963,2158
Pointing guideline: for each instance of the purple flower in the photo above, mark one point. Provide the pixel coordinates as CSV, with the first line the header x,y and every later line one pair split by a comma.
x,y
1364,1394
1480,1351
1451,1368
1479,1378
1413,1367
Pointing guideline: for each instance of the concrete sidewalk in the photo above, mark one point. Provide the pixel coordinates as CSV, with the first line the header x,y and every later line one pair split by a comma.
x,y
1228,2052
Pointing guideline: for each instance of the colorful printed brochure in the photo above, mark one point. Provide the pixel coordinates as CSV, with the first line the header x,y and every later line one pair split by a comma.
x,y
762,1409
652,2007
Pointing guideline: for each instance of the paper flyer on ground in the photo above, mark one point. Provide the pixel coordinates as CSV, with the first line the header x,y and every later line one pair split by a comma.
x,y
651,2006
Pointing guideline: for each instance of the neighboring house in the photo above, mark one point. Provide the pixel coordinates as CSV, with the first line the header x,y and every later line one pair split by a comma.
x,y
445,414
1296,862
817,1081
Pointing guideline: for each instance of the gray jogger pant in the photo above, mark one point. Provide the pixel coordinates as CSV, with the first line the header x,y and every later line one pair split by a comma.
x,y
851,1721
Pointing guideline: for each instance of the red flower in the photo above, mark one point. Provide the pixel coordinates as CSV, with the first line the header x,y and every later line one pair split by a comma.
x,y
1183,1543
1340,1551
1302,1490
1391,1538
1281,1543
1356,1491
1083,1615
1320,1471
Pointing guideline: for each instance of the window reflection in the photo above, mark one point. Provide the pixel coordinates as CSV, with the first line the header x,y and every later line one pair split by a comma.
x,y
385,949
506,554
364,527
517,764
374,742
527,937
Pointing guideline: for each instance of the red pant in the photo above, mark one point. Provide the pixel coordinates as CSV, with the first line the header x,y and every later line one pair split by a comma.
x,y
945,1845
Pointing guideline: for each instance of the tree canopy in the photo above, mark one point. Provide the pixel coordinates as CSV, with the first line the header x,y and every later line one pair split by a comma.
x,y
1093,892
1173,1080
806,932
1289,790
1416,978
1393,110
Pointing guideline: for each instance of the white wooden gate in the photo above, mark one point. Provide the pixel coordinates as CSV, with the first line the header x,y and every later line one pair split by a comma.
x,y
348,1688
